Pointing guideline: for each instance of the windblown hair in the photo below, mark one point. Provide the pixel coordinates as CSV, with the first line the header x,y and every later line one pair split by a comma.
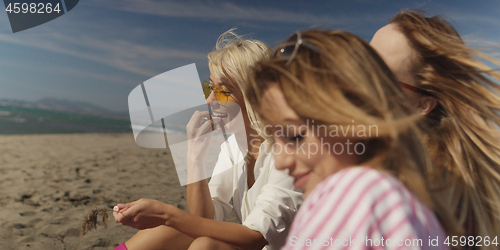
x,y
232,60
463,135
348,83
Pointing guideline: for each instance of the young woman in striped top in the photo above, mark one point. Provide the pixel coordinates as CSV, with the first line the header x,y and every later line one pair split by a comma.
x,y
346,133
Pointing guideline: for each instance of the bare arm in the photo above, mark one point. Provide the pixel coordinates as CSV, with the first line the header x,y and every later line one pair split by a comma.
x,y
199,134
146,213
199,199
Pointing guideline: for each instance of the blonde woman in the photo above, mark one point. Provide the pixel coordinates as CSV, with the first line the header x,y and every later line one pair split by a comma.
x,y
263,199
460,100
345,132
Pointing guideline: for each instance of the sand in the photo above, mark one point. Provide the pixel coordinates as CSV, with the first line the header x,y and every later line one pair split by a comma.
x,y
49,183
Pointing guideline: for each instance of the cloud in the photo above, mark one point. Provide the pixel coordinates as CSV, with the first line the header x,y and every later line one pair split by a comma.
x,y
120,46
219,11
117,46
129,56
477,28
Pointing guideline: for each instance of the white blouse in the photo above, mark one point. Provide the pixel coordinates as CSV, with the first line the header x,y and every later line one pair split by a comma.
x,y
268,206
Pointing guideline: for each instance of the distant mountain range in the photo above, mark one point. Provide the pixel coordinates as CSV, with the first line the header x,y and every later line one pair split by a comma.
x,y
63,105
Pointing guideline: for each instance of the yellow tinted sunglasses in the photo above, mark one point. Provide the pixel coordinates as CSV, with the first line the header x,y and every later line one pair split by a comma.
x,y
221,95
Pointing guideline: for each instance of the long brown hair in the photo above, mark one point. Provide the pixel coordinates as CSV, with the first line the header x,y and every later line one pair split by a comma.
x,y
348,83
463,136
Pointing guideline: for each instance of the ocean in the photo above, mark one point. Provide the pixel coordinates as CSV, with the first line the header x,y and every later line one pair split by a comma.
x,y
23,120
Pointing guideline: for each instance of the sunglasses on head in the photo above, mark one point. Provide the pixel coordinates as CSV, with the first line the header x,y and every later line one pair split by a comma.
x,y
221,95
414,89
290,50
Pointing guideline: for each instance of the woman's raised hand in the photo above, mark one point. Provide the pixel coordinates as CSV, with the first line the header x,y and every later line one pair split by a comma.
x,y
199,133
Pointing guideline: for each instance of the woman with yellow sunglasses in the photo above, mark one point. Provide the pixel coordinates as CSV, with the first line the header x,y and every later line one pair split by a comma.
x,y
262,198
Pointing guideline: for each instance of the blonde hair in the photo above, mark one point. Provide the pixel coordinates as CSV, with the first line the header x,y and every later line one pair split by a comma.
x,y
233,59
348,83
463,138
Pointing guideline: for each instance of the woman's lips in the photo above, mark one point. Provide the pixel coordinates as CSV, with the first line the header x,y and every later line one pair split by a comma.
x,y
301,180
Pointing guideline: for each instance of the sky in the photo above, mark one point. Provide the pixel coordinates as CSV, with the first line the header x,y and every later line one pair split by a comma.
x,y
102,49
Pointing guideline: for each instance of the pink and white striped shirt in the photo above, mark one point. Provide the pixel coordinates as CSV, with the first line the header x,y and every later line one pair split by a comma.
x,y
362,208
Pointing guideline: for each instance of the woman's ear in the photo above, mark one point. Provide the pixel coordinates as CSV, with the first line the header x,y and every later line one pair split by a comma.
x,y
427,104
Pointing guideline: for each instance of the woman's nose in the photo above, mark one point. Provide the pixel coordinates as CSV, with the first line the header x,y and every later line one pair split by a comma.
x,y
283,159
211,100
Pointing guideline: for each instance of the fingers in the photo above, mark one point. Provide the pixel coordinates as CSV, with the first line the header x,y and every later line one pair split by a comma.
x,y
119,216
119,211
199,119
198,116
206,127
118,207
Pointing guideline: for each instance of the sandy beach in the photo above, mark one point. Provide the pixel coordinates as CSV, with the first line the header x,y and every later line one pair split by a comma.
x,y
50,182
